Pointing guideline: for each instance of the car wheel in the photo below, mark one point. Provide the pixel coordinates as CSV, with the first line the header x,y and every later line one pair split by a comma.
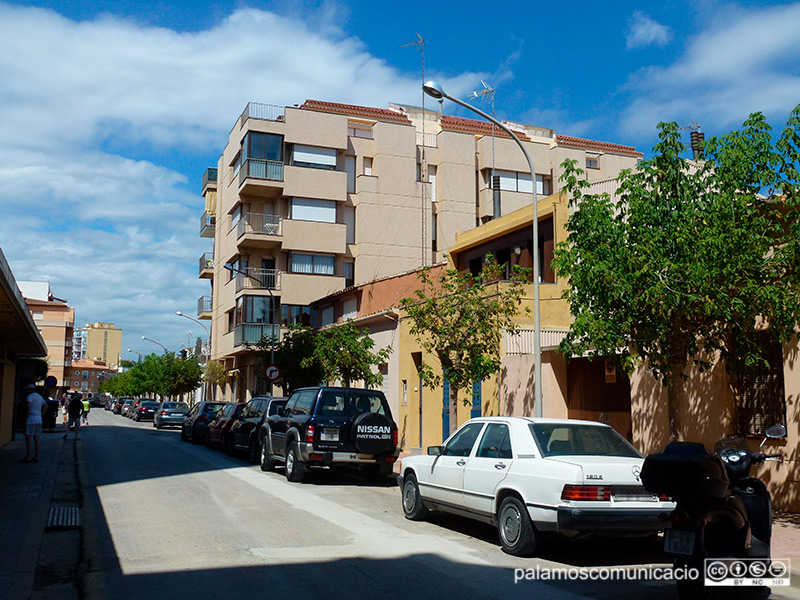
x,y
514,526
254,451
413,508
267,461
295,468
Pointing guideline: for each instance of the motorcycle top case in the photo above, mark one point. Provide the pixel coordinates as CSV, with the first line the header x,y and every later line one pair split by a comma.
x,y
685,470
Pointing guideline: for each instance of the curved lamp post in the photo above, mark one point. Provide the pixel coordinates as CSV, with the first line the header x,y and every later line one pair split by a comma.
x,y
136,352
156,343
434,90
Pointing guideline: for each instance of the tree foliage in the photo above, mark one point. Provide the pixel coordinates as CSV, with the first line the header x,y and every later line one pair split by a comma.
x,y
162,374
690,258
459,319
296,346
344,353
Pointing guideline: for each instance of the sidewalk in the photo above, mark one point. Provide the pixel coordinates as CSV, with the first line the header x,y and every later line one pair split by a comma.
x,y
37,561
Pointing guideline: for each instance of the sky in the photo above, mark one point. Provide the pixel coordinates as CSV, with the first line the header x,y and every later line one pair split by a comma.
x,y
111,112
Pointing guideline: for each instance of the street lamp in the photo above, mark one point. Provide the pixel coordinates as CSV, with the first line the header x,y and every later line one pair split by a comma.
x,y
155,342
136,352
233,269
434,90
208,333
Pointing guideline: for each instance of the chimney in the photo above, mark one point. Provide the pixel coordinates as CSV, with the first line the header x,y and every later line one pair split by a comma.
x,y
698,138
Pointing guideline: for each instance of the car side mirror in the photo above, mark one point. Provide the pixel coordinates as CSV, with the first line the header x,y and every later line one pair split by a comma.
x,y
434,450
776,431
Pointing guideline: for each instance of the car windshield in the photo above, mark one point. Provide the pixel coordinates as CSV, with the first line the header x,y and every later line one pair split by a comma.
x,y
180,405
564,439
349,404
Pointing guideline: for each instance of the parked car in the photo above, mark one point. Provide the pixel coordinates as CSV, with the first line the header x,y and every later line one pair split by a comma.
x,y
532,476
220,426
109,403
146,411
195,423
118,402
126,406
330,426
170,413
96,401
244,432
134,407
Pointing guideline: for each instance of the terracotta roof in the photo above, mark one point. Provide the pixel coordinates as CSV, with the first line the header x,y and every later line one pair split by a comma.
x,y
366,112
566,140
474,126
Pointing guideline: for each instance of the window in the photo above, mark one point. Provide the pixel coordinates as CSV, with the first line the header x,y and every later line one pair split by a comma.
x,y
238,264
231,320
349,216
592,160
316,264
511,181
362,130
236,215
432,179
566,440
262,146
304,402
367,165
761,390
348,268
253,309
85,375
84,385
496,442
349,309
312,156
464,439
294,314
306,209
350,168
543,185
327,316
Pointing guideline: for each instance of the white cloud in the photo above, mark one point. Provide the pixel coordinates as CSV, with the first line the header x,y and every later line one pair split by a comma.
x,y
644,31
98,120
746,63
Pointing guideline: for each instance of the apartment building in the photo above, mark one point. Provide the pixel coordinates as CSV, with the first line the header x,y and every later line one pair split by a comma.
x,y
308,200
55,320
102,341
87,375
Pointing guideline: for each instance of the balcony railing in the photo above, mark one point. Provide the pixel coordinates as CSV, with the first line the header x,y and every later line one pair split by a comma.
x,y
252,333
426,139
206,261
259,223
207,225
266,112
270,280
203,305
210,176
256,168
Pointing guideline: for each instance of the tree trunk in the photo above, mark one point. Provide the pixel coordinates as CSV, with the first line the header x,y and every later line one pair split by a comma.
x,y
453,408
673,396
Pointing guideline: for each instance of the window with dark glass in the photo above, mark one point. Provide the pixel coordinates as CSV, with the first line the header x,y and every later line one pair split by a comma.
x,y
263,146
295,314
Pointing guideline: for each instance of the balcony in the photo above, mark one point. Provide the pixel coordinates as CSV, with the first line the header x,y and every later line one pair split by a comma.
x,y
310,182
209,179
270,279
204,307
265,112
427,139
206,266
259,231
314,236
208,224
252,333
259,177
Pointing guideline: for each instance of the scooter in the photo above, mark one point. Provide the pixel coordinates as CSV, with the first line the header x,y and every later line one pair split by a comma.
x,y
721,511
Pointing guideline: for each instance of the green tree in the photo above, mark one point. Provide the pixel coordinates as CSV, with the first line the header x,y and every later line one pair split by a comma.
x,y
214,374
344,352
460,319
689,259
296,346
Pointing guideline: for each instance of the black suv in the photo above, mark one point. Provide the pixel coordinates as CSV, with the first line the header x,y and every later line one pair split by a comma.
x,y
331,426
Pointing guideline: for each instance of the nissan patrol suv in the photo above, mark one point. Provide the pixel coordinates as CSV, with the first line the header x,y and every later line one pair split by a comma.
x,y
333,427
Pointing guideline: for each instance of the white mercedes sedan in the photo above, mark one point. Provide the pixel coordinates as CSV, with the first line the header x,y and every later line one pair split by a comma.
x,y
535,476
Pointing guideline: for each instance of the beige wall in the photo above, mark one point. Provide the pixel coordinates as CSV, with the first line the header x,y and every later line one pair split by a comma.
x,y
104,342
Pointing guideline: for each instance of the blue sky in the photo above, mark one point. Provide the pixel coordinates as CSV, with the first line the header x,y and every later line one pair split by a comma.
x,y
110,112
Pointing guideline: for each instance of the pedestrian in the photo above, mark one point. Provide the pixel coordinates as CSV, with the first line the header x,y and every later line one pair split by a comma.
x,y
86,408
33,424
63,401
74,411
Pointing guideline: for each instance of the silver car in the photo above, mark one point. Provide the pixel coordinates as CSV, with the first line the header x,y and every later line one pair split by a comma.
x,y
170,413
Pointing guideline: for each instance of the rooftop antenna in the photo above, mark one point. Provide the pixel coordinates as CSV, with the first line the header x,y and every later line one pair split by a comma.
x,y
488,93
423,167
697,138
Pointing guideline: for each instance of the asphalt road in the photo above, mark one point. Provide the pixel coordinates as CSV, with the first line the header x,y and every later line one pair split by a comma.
x,y
168,519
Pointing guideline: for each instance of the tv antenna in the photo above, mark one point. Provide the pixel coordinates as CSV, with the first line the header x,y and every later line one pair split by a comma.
x,y
487,93
423,167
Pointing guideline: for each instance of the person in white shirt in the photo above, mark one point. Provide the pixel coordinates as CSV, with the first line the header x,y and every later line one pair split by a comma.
x,y
33,424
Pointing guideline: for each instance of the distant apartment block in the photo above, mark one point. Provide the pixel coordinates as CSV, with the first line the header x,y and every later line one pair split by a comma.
x,y
86,376
79,343
309,200
103,342
55,320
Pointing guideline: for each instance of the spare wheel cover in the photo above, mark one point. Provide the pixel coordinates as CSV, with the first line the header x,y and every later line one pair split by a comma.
x,y
372,433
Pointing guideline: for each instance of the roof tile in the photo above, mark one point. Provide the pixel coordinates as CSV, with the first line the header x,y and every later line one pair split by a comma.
x,y
475,126
566,140
367,112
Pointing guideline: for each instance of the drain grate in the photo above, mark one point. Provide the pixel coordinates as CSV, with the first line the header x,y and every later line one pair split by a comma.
x,y
64,516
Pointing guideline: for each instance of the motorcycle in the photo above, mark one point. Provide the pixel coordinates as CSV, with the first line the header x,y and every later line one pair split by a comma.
x,y
720,512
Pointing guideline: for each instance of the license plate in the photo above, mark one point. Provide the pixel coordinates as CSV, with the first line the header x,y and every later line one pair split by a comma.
x,y
634,498
329,435
679,542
